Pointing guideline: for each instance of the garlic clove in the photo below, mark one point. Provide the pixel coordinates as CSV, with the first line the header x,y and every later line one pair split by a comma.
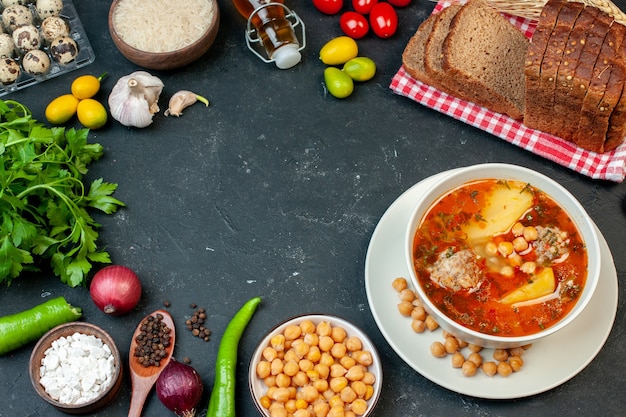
x,y
181,100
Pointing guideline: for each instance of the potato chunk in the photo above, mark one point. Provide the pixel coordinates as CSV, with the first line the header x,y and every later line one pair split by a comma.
x,y
542,284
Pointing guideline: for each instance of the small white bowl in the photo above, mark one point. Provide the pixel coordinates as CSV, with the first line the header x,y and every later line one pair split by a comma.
x,y
257,386
564,198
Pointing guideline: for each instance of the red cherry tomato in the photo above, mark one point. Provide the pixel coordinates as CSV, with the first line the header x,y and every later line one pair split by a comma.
x,y
354,25
328,6
363,6
400,3
383,20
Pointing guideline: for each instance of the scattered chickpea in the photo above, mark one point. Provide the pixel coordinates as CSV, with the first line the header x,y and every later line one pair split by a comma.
x,y
399,284
405,308
431,324
418,313
504,369
457,360
407,295
451,344
418,326
500,355
476,358
489,368
468,368
438,350
516,363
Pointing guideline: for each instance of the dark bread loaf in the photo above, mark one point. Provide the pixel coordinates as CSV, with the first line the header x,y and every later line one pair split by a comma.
x,y
485,55
413,55
617,121
602,95
534,58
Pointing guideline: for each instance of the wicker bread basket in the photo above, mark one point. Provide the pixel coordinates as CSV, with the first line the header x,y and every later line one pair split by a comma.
x,y
531,9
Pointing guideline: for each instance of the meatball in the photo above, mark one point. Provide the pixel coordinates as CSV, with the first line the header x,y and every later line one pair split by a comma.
x,y
53,27
16,15
64,50
46,8
26,38
457,270
36,62
551,244
9,70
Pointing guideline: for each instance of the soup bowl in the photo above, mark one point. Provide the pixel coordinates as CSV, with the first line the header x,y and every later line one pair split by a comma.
x,y
493,307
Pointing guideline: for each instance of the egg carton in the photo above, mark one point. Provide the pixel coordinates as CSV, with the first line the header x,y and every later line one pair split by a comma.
x,y
85,53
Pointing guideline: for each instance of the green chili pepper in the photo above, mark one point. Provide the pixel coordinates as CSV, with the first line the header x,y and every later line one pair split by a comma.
x,y
19,329
222,401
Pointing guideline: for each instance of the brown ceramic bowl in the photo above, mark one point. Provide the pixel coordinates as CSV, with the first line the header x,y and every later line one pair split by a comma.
x,y
65,330
166,60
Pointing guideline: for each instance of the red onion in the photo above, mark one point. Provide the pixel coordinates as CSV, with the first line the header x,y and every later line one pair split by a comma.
x,y
115,290
179,388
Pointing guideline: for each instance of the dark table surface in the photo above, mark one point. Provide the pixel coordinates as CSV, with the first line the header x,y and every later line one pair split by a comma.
x,y
275,190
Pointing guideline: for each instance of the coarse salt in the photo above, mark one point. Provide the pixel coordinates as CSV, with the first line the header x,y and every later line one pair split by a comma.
x,y
76,369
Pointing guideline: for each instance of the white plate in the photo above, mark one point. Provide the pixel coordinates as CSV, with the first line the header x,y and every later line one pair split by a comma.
x,y
547,364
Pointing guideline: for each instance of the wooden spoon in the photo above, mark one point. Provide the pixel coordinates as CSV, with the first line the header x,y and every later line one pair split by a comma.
x,y
143,378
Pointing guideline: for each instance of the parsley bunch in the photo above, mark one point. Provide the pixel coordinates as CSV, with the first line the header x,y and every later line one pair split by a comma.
x,y
43,199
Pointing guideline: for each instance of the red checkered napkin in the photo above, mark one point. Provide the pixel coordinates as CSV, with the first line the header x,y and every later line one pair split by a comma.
x,y
606,166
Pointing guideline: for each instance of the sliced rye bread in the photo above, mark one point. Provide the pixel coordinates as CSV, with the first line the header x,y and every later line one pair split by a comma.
x,y
550,65
413,55
617,121
584,71
602,95
567,66
433,53
485,54
534,57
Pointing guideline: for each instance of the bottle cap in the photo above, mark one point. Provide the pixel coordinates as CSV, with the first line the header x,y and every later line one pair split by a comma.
x,y
287,56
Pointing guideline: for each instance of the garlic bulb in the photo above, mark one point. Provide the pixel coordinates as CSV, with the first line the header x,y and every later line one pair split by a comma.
x,y
134,99
181,100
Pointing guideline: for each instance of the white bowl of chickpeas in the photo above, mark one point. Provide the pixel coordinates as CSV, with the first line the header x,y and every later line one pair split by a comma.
x,y
501,256
315,364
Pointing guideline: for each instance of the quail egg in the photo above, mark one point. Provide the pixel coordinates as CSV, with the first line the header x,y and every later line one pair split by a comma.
x,y
9,71
7,3
63,49
7,46
53,27
36,62
47,8
16,15
26,38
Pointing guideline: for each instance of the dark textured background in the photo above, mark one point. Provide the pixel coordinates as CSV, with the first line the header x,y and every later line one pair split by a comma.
x,y
275,190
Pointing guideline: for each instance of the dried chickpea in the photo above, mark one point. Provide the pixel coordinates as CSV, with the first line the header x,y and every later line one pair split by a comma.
x,y
418,326
263,369
270,381
500,355
301,413
504,369
327,359
336,411
338,350
338,334
291,368
307,326
335,401
314,354
347,394
338,383
431,324
280,394
337,369
300,348
321,409
516,363
476,358
290,406
278,342
309,393
451,345
265,402
347,362
278,412
349,413
369,393
292,332
437,349
322,370
363,357
359,387
530,233
489,368
323,328
326,343
474,348
353,343
462,344
399,284
311,339
358,407
313,375
457,360
517,351
355,373
276,366
301,404
418,313
468,368
407,295
369,378
520,244
405,308
283,381
321,385
305,365
269,354
300,379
